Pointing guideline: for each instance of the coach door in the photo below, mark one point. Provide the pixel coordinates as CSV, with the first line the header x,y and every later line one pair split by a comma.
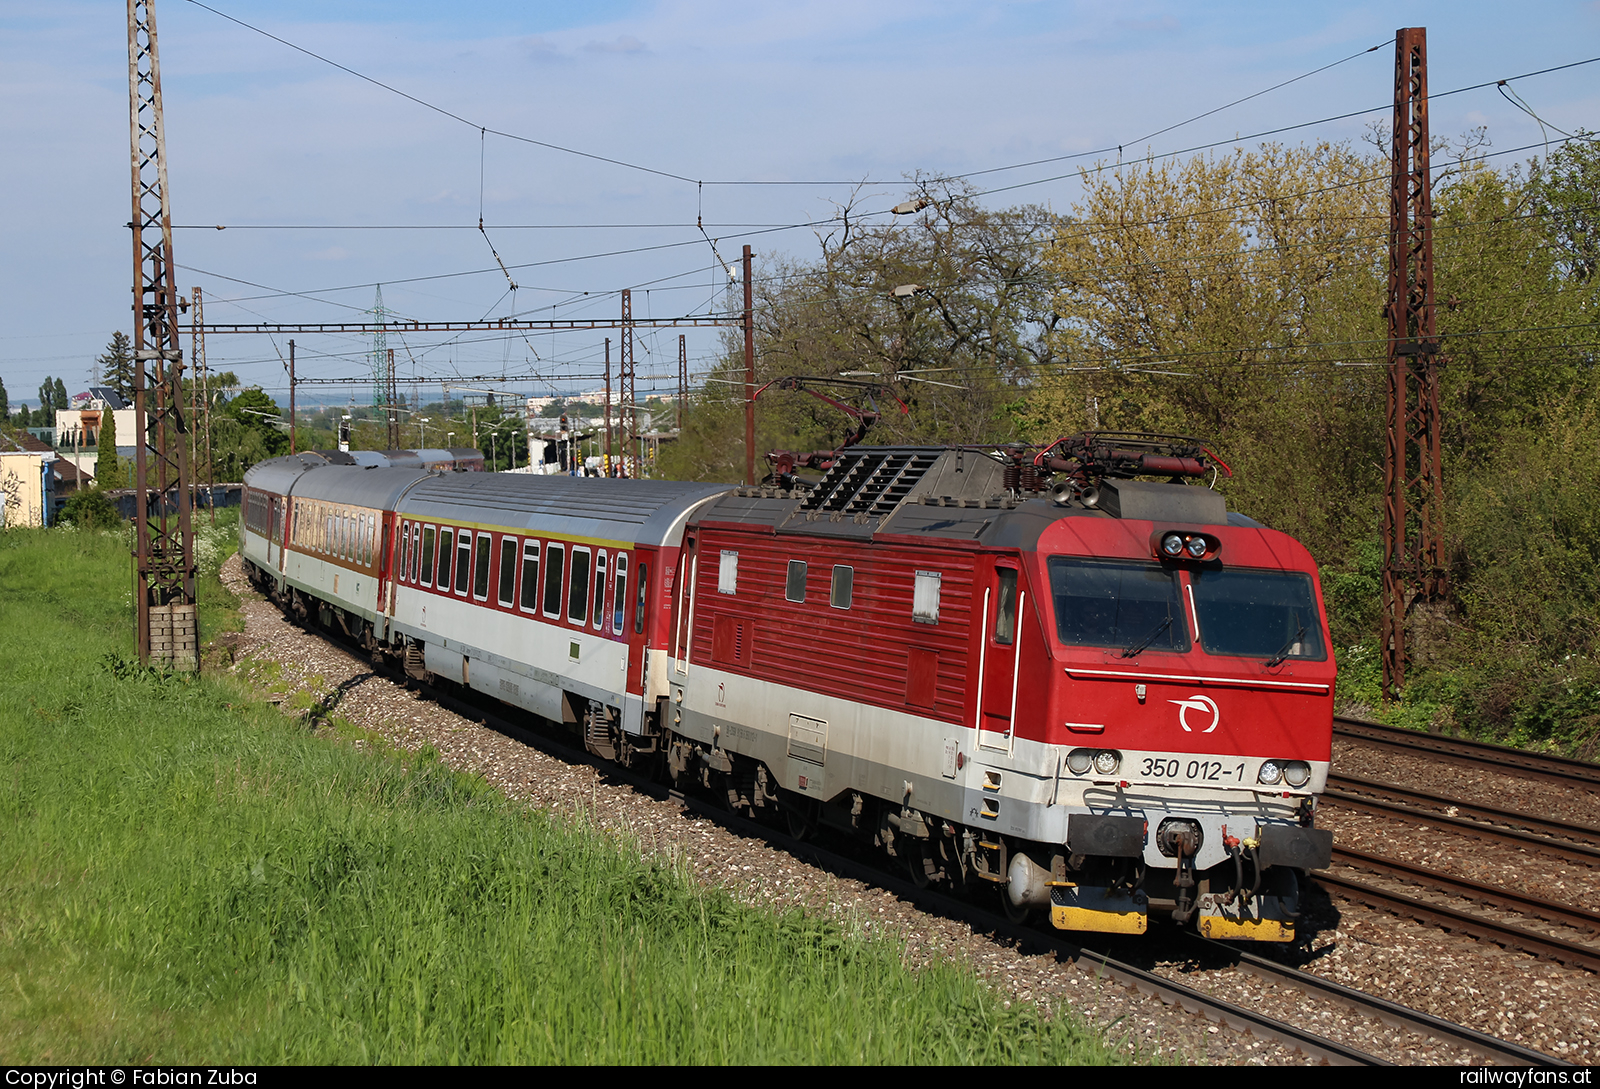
x,y
1003,602
683,606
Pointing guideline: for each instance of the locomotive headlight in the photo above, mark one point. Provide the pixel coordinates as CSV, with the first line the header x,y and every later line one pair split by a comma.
x,y
1271,772
1196,547
1106,761
1172,544
1079,761
1297,773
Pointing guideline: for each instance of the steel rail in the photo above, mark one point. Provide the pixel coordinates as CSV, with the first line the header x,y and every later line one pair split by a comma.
x,y
1511,937
1405,795
1079,956
1556,769
1575,852
1494,895
1393,1014
1138,979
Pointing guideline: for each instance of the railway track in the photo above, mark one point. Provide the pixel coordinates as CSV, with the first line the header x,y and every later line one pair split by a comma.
x,y
1481,754
1082,956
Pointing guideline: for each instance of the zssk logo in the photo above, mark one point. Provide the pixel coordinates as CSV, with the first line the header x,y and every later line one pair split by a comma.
x,y
1197,703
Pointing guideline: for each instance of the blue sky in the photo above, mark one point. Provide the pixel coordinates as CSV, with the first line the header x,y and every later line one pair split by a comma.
x,y
812,90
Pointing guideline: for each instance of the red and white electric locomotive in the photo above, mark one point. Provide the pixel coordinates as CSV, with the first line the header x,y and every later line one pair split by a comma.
x,y
1108,697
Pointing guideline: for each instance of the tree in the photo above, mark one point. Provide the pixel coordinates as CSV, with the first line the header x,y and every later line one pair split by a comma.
x,y
1218,297
116,366
946,308
5,403
59,396
107,469
1566,189
260,418
47,396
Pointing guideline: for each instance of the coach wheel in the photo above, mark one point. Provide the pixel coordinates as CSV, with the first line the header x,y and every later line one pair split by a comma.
x,y
924,871
800,814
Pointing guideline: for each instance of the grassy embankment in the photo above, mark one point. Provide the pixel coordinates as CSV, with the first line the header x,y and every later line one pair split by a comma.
x,y
187,875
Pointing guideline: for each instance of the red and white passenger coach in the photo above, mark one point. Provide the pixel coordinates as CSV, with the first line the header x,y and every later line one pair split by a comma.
x,y
1109,698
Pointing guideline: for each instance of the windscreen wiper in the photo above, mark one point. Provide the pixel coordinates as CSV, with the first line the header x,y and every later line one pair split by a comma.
x,y
1136,650
1283,652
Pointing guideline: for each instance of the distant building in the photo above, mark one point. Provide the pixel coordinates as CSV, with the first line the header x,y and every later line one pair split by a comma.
x,y
78,427
27,493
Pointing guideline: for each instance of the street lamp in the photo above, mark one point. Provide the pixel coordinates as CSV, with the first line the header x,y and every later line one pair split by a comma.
x,y
422,434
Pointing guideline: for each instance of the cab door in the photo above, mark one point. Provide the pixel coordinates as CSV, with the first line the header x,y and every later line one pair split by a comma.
x,y
998,674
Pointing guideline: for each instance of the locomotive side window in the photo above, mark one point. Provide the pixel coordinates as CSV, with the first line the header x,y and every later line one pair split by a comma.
x,y
794,586
1134,606
925,597
1005,606
728,573
480,570
599,590
554,558
620,603
578,587
463,561
447,542
427,556
844,586
508,570
639,598
530,576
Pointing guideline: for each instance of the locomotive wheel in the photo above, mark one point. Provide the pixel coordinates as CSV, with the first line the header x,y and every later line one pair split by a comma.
x,y
1018,916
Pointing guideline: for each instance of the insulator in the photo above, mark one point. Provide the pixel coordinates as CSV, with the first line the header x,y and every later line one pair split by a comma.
x,y
1011,475
1032,478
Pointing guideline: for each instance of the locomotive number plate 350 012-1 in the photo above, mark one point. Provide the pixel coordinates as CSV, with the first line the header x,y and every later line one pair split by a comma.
x,y
1191,768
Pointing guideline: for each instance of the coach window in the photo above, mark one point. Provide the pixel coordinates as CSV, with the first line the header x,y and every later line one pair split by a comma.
x,y
925,597
728,573
364,540
480,571
427,556
620,601
554,559
508,570
643,581
599,597
578,587
463,561
530,576
447,542
794,587
844,586
1005,607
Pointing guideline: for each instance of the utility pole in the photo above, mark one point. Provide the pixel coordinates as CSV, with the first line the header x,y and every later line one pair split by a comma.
x,y
394,408
164,572
683,377
607,470
1414,576
291,397
749,378
202,383
627,415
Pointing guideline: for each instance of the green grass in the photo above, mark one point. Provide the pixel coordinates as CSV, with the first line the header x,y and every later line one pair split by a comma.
x,y
186,875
